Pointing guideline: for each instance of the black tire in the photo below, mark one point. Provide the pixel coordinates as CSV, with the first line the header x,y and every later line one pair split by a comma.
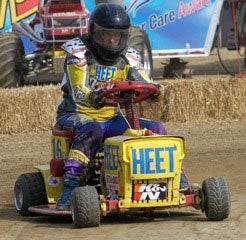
x,y
85,207
29,191
139,40
11,60
216,199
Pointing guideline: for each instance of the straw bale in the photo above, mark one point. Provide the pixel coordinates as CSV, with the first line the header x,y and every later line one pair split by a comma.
x,y
33,108
28,109
200,100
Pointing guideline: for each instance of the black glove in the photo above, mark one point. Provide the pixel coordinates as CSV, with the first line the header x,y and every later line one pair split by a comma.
x,y
96,99
159,94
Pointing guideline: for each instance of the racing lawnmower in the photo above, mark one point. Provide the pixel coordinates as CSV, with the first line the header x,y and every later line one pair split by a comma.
x,y
138,171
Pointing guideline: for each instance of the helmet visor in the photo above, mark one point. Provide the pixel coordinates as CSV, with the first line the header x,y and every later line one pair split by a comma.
x,y
110,38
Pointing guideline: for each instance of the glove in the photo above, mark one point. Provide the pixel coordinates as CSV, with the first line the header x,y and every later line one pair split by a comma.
x,y
96,99
156,97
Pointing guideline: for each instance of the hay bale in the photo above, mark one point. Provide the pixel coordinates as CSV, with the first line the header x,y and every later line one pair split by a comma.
x,y
33,108
28,109
200,100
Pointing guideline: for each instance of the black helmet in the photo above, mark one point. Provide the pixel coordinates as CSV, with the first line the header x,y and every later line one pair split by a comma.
x,y
108,31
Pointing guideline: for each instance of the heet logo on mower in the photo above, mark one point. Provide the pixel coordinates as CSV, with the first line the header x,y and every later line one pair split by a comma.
x,y
153,160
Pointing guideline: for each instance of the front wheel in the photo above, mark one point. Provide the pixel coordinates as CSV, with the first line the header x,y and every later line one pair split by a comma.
x,y
216,199
29,191
85,207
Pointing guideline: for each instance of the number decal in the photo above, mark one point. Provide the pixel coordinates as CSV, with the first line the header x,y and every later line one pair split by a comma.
x,y
56,148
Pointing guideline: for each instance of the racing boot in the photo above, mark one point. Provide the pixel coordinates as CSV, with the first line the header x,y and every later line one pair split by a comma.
x,y
74,167
69,183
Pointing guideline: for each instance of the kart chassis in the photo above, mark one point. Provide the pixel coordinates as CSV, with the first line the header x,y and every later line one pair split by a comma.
x,y
139,171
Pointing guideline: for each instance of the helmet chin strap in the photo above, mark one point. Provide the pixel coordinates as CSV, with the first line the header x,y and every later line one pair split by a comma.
x,y
105,61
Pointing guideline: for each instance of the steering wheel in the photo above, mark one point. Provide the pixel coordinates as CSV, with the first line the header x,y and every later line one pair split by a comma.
x,y
127,91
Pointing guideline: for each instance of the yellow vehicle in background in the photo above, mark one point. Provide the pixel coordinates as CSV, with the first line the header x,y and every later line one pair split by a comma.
x,y
138,171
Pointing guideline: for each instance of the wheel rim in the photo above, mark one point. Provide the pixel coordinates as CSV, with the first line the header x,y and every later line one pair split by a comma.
x,y
72,212
18,198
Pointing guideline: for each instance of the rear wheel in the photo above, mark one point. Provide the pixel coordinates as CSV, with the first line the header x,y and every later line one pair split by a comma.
x,y
11,60
85,207
216,199
139,40
29,191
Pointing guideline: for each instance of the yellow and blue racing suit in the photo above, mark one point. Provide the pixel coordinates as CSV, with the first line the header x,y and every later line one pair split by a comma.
x,y
91,126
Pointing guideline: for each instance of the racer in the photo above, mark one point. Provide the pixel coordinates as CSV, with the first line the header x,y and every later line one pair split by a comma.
x,y
98,57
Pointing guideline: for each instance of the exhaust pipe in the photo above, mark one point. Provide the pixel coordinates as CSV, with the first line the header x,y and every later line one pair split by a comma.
x,y
32,56
27,27
23,29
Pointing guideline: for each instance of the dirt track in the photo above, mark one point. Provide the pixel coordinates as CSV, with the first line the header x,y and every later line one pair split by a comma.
x,y
212,149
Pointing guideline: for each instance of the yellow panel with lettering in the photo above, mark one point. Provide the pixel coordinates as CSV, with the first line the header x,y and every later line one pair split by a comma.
x,y
159,157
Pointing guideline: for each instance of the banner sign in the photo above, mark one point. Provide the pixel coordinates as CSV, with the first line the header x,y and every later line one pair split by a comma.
x,y
182,28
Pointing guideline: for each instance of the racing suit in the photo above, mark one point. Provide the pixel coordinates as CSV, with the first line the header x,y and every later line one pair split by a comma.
x,y
91,126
